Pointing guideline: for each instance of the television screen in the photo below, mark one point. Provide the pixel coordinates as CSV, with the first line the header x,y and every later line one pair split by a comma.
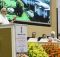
x,y
28,10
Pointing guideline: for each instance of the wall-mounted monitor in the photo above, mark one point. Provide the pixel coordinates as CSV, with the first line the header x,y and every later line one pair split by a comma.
x,y
33,11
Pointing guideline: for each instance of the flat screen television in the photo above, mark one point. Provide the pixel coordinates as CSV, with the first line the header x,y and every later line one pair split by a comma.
x,y
33,11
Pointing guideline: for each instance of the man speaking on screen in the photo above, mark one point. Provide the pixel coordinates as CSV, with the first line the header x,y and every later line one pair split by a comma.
x,y
3,18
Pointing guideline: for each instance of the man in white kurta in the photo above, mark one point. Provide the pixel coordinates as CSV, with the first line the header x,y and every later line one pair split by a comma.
x,y
3,18
53,37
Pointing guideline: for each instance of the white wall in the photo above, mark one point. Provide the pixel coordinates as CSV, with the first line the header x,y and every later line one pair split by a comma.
x,y
58,5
